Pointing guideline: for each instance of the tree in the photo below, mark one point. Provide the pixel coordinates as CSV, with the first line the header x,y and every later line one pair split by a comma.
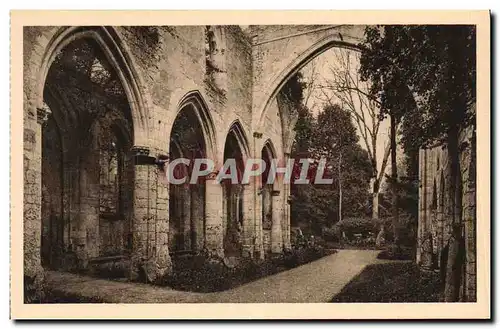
x,y
345,85
335,139
427,73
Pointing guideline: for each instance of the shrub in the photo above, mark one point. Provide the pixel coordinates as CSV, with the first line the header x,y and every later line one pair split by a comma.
x,y
406,228
34,289
392,253
332,234
353,226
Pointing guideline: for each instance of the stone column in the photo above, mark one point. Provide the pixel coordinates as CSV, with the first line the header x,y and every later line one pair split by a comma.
x,y
162,255
259,232
214,237
286,210
85,232
33,271
276,231
186,215
197,216
469,218
425,213
248,227
150,218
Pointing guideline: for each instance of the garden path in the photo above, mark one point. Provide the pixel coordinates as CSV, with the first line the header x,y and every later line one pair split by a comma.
x,y
315,282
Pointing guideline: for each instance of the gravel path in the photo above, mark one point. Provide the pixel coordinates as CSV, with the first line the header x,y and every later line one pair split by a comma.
x,y
315,282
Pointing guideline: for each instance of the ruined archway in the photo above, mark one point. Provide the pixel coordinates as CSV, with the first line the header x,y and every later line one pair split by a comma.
x,y
304,44
116,54
234,204
87,168
188,140
268,198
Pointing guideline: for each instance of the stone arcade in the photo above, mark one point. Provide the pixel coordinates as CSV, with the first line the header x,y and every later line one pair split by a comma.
x,y
106,107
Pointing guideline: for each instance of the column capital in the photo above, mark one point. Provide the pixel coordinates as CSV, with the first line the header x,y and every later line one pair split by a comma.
x,y
257,135
140,150
161,160
212,175
42,113
142,155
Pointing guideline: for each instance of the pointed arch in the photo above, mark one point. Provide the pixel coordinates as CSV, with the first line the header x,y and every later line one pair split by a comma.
x,y
119,58
269,147
195,101
240,135
278,81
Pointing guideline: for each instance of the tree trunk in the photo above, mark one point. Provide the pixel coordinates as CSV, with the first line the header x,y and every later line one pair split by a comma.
x,y
379,241
376,191
375,207
394,178
455,260
340,186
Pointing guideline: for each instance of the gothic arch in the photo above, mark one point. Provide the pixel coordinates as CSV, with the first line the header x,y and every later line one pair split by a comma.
x,y
196,102
238,131
119,58
269,147
275,84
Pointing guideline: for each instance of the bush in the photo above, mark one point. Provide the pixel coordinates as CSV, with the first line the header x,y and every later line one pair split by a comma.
x,y
34,289
355,226
332,234
406,229
300,256
393,253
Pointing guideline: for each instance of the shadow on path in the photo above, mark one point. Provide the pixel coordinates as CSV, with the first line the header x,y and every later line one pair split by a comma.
x,y
315,282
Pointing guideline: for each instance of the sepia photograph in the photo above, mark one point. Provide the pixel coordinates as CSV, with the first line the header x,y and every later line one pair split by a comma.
x,y
281,164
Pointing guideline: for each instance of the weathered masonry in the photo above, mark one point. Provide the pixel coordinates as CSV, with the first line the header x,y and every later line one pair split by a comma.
x,y
434,223
105,108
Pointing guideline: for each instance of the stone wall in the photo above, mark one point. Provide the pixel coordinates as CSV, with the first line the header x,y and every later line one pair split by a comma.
x,y
434,223
230,78
161,69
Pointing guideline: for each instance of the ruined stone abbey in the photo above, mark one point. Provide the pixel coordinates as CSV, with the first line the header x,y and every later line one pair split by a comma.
x,y
106,107
434,221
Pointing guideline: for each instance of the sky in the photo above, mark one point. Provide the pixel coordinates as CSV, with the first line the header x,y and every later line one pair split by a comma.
x,y
321,73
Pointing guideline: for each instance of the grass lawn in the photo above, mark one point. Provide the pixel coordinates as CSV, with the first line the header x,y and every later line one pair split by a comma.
x,y
390,282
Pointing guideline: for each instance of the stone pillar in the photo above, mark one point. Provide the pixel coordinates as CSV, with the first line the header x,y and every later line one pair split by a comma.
x,y
33,271
426,242
85,233
286,210
259,229
248,222
214,237
150,220
186,215
197,216
276,230
469,218
162,255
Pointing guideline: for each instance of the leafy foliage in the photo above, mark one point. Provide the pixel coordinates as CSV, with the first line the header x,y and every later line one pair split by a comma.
x,y
356,225
331,136
426,74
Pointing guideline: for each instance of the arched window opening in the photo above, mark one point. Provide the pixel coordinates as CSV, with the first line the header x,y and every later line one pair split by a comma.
x,y
187,201
267,198
233,196
96,170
